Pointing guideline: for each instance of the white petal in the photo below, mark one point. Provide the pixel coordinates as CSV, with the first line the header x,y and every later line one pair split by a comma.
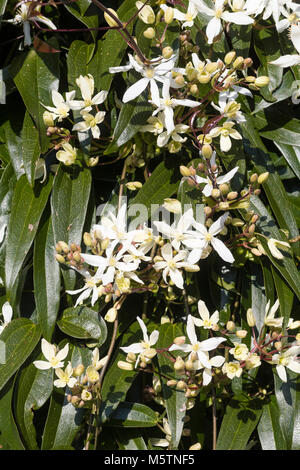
x,y
62,354
237,18
287,60
225,178
42,365
144,329
282,373
7,312
207,376
176,277
217,361
135,348
222,250
190,329
47,349
135,90
153,337
203,311
211,343
213,29
218,225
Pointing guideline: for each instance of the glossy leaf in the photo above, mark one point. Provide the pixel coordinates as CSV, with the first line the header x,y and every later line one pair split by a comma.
x,y
84,323
133,415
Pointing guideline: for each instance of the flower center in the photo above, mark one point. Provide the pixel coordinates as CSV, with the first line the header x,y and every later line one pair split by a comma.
x,y
218,12
54,361
196,347
208,237
168,102
112,261
149,72
172,264
145,345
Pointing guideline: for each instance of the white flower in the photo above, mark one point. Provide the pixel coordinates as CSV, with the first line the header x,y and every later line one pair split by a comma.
x,y
25,14
172,265
228,107
65,377
68,155
207,321
216,361
53,355
176,232
226,132
109,265
232,369
142,346
90,288
201,238
270,319
207,190
273,244
86,84
90,122
150,73
269,7
240,351
115,227
290,17
62,106
187,19
287,359
97,362
197,347
214,26
167,104
291,59
7,313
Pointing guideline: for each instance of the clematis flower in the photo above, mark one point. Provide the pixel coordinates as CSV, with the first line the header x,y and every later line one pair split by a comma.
x,y
172,265
29,12
207,190
291,59
287,359
201,238
97,362
150,73
226,132
68,155
90,288
274,244
232,369
65,377
291,17
7,313
197,347
90,122
176,232
206,321
215,361
269,7
227,105
62,106
87,84
142,347
240,351
270,319
53,355
167,104
187,19
214,26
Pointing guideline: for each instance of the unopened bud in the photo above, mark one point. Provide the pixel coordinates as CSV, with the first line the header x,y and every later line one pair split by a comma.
x,y
181,385
207,211
251,229
149,33
179,340
263,177
196,446
250,318
248,62
207,151
59,258
48,119
169,15
164,319
216,193
78,371
171,383
179,364
131,357
75,400
256,192
167,52
241,333
125,365
232,195
250,79
194,90
229,57
87,239
146,14
64,247
224,206
184,171
236,222
109,20
262,81
111,315
278,345
238,63
149,353
230,326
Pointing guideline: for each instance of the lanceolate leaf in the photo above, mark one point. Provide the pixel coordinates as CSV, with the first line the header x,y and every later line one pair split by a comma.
x,y
20,337
133,415
175,399
30,147
83,322
26,210
46,278
240,420
36,75
288,401
9,434
270,435
69,201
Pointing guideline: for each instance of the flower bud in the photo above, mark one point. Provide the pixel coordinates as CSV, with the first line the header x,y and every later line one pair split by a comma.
x,y
92,374
171,383
111,315
278,345
179,340
125,365
146,13
149,353
196,446
131,357
248,62
229,57
172,205
207,151
238,63
224,206
109,20
184,170
263,177
134,185
179,80
241,333
250,318
216,193
169,15
232,195
48,119
167,52
149,33
230,326
59,258
179,364
164,319
64,247
181,385
78,371
262,81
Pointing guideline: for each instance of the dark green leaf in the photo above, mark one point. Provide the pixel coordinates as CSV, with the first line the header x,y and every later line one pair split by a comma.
x,y
84,323
133,415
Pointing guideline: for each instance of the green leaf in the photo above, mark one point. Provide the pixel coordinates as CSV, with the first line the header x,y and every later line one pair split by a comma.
x,y
239,421
291,155
129,440
133,415
34,387
20,337
175,399
13,140
9,434
30,147
163,183
46,278
284,294
78,9
36,75
69,202
278,127
83,323
268,428
267,226
23,225
288,401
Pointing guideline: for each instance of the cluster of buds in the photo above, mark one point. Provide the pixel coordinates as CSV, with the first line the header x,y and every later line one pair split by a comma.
x,y
69,255
85,390
95,242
